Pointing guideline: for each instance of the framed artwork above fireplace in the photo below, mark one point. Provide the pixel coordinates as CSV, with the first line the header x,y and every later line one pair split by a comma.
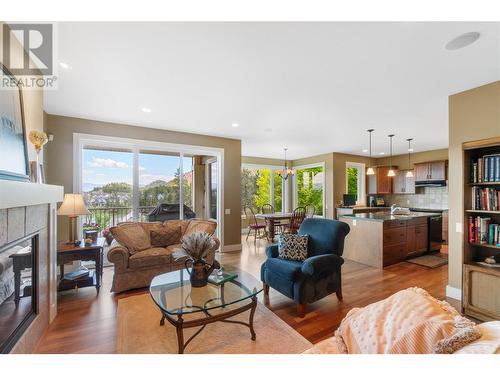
x,y
14,163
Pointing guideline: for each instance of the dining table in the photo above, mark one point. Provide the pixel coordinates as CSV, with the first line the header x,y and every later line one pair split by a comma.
x,y
272,219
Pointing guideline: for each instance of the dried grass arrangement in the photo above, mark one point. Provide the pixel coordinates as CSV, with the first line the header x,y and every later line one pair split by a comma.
x,y
196,246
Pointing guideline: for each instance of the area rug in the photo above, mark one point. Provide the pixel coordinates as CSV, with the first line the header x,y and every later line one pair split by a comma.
x,y
139,331
429,261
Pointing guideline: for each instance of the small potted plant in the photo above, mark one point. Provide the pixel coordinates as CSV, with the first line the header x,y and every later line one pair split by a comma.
x,y
91,230
195,249
106,233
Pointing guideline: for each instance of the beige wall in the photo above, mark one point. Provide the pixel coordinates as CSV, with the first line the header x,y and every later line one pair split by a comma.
x,y
473,115
261,161
32,99
59,159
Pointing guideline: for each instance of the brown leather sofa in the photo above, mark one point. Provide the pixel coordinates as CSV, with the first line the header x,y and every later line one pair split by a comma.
x,y
139,252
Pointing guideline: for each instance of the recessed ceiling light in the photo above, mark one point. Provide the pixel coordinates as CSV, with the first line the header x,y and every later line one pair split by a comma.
x,y
381,153
146,110
268,130
64,65
462,41
365,150
235,125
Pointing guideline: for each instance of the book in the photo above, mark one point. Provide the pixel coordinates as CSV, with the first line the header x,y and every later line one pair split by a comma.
x,y
482,230
217,279
71,276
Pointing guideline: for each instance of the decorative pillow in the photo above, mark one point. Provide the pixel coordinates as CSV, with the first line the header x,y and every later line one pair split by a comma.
x,y
408,322
293,247
205,226
132,236
165,236
176,223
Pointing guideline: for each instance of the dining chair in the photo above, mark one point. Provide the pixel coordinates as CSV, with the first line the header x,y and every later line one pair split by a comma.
x,y
297,218
310,211
252,223
267,209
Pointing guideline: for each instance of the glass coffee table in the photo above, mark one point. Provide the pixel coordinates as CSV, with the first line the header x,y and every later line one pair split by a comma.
x,y
177,299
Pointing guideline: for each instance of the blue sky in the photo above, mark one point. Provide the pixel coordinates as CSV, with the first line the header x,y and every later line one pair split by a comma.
x,y
102,167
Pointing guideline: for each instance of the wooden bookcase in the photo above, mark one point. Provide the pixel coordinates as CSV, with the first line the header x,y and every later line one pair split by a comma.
x,y
481,284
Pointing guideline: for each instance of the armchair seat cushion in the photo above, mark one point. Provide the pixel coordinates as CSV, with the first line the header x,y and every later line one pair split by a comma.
x,y
152,257
284,269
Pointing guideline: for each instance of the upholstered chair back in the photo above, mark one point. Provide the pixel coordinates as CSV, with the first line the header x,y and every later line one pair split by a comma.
x,y
325,236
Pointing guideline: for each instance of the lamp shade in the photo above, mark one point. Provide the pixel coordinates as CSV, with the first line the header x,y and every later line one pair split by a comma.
x,y
73,205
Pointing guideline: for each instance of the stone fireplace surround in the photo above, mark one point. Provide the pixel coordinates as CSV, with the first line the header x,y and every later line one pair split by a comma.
x,y
27,209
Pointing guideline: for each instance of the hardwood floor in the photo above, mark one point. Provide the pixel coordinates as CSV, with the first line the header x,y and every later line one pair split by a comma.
x,y
86,323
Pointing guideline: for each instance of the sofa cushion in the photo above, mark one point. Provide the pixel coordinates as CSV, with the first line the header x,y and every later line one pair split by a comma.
x,y
206,226
293,247
151,257
410,321
132,236
165,236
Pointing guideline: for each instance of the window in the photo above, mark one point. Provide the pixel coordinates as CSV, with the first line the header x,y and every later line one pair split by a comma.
x,y
309,182
258,188
355,181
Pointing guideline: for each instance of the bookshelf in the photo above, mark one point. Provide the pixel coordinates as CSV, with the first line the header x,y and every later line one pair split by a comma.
x,y
481,284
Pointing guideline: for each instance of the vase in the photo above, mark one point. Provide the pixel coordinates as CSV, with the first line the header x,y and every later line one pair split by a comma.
x,y
38,171
198,272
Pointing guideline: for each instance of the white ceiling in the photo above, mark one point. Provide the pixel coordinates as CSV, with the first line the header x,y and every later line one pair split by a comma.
x,y
317,86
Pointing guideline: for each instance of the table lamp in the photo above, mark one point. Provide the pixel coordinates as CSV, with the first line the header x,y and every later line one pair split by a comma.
x,y
72,206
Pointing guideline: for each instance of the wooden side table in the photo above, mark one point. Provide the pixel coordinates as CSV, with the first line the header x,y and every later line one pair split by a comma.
x,y
21,261
67,253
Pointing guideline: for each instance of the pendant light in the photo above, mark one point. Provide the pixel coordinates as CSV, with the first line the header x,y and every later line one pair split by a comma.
x,y
391,172
409,174
286,171
370,170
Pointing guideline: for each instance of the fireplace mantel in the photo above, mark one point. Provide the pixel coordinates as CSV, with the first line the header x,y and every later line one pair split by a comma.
x,y
22,194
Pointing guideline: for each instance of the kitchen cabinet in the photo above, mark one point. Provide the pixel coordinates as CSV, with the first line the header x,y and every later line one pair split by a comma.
x,y
380,240
431,171
403,184
380,183
416,238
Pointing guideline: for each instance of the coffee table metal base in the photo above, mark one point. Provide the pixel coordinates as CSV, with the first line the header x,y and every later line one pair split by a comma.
x,y
180,323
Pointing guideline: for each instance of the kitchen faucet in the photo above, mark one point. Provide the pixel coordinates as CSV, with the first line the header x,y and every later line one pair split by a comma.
x,y
395,208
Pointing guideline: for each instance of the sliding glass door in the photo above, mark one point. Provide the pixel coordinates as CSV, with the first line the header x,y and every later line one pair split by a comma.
x,y
121,185
107,180
159,182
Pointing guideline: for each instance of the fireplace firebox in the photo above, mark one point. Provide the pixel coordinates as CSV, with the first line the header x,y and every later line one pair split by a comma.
x,y
18,289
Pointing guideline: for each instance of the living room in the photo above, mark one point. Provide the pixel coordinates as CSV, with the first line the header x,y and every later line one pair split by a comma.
x,y
255,177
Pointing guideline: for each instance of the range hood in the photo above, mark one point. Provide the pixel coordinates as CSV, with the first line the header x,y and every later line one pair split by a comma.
x,y
430,183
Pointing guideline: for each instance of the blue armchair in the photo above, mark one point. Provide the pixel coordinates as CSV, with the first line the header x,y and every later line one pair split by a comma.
x,y
319,275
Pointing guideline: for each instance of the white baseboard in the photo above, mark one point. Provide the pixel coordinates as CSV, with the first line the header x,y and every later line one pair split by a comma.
x,y
454,293
231,248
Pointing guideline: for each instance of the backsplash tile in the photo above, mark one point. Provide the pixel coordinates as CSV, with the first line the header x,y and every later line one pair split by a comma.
x,y
432,197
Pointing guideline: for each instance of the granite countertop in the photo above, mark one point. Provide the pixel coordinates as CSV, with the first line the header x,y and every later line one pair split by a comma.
x,y
383,216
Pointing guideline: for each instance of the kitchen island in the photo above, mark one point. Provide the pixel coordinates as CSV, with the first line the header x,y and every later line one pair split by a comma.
x,y
381,239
